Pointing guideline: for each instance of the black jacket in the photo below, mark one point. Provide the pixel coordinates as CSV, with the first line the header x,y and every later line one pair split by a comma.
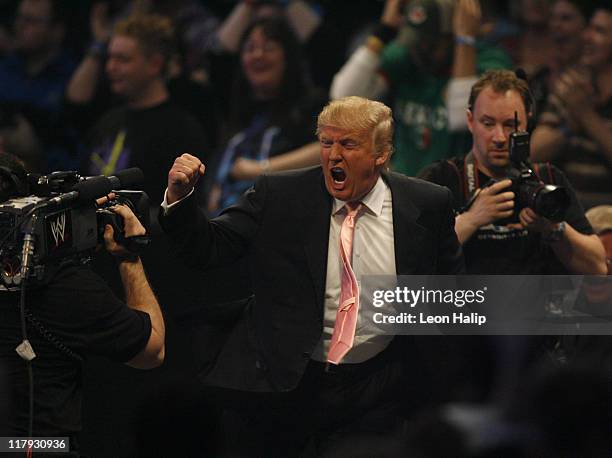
x,y
282,226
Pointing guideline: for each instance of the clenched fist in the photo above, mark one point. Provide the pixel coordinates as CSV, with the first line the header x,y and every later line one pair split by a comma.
x,y
183,176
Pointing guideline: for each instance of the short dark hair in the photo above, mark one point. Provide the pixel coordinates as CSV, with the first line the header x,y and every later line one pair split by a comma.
x,y
502,81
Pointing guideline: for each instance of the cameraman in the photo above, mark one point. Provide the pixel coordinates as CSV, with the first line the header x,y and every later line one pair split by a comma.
x,y
496,240
70,317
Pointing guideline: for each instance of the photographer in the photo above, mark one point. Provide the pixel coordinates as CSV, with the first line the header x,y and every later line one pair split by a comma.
x,y
496,238
71,316
500,238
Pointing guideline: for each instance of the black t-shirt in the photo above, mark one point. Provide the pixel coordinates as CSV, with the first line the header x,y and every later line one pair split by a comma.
x,y
149,138
498,249
78,308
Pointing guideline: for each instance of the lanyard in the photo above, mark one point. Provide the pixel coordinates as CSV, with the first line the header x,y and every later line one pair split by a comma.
x,y
108,168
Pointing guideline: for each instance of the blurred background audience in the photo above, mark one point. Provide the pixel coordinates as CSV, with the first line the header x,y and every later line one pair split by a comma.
x,y
148,128
575,128
424,57
272,114
33,76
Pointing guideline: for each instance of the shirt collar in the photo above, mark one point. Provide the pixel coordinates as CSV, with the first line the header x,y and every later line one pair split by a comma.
x,y
373,200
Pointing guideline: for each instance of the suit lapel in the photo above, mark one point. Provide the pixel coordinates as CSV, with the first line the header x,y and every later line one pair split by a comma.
x,y
407,233
315,219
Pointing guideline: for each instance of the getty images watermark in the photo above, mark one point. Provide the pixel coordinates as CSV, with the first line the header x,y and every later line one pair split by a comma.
x,y
494,304
413,298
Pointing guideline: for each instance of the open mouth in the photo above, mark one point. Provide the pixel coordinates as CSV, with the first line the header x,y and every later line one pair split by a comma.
x,y
338,175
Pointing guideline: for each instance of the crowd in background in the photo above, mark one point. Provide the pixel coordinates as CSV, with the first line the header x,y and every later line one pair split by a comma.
x,y
103,85
252,75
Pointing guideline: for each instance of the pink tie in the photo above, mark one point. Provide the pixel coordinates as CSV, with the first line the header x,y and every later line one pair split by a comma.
x,y
348,309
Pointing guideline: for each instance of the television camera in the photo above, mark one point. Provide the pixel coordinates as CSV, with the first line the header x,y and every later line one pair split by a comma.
x,y
55,220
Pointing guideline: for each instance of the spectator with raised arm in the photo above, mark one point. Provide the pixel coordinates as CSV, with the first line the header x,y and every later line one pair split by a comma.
x,y
313,24
149,127
272,112
567,21
188,77
426,71
575,129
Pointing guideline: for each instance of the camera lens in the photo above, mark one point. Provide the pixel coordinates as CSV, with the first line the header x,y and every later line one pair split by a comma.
x,y
550,201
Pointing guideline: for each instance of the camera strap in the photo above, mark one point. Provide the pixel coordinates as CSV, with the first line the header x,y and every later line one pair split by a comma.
x,y
549,171
471,181
467,179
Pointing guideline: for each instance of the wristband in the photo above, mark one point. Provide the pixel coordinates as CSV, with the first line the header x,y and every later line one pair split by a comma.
x,y
556,234
375,43
467,40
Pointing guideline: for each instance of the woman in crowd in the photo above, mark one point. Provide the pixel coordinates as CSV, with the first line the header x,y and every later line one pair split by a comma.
x,y
272,114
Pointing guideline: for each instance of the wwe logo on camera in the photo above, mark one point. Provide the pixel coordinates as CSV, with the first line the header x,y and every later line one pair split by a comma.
x,y
58,228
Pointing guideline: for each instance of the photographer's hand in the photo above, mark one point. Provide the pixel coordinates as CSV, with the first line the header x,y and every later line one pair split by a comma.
x,y
491,204
579,253
533,222
183,176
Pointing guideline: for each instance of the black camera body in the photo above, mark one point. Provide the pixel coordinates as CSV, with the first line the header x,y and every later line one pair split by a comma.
x,y
547,200
138,202
60,223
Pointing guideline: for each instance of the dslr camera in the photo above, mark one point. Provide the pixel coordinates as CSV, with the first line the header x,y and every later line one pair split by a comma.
x,y
55,221
547,200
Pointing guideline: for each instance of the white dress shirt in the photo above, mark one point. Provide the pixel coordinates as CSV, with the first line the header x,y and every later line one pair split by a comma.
x,y
373,254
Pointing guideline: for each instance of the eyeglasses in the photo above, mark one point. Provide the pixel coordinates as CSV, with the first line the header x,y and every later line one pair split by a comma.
x,y
267,48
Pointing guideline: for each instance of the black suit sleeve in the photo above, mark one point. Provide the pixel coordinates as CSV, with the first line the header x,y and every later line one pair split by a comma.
x,y
450,254
204,243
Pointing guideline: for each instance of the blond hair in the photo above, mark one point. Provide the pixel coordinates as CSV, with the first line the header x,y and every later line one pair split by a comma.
x,y
360,115
153,33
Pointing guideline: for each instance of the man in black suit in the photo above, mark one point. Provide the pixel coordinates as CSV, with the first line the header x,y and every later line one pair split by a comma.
x,y
287,226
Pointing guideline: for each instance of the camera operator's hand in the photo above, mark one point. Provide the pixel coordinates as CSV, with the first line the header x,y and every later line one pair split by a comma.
x,y
183,176
131,227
